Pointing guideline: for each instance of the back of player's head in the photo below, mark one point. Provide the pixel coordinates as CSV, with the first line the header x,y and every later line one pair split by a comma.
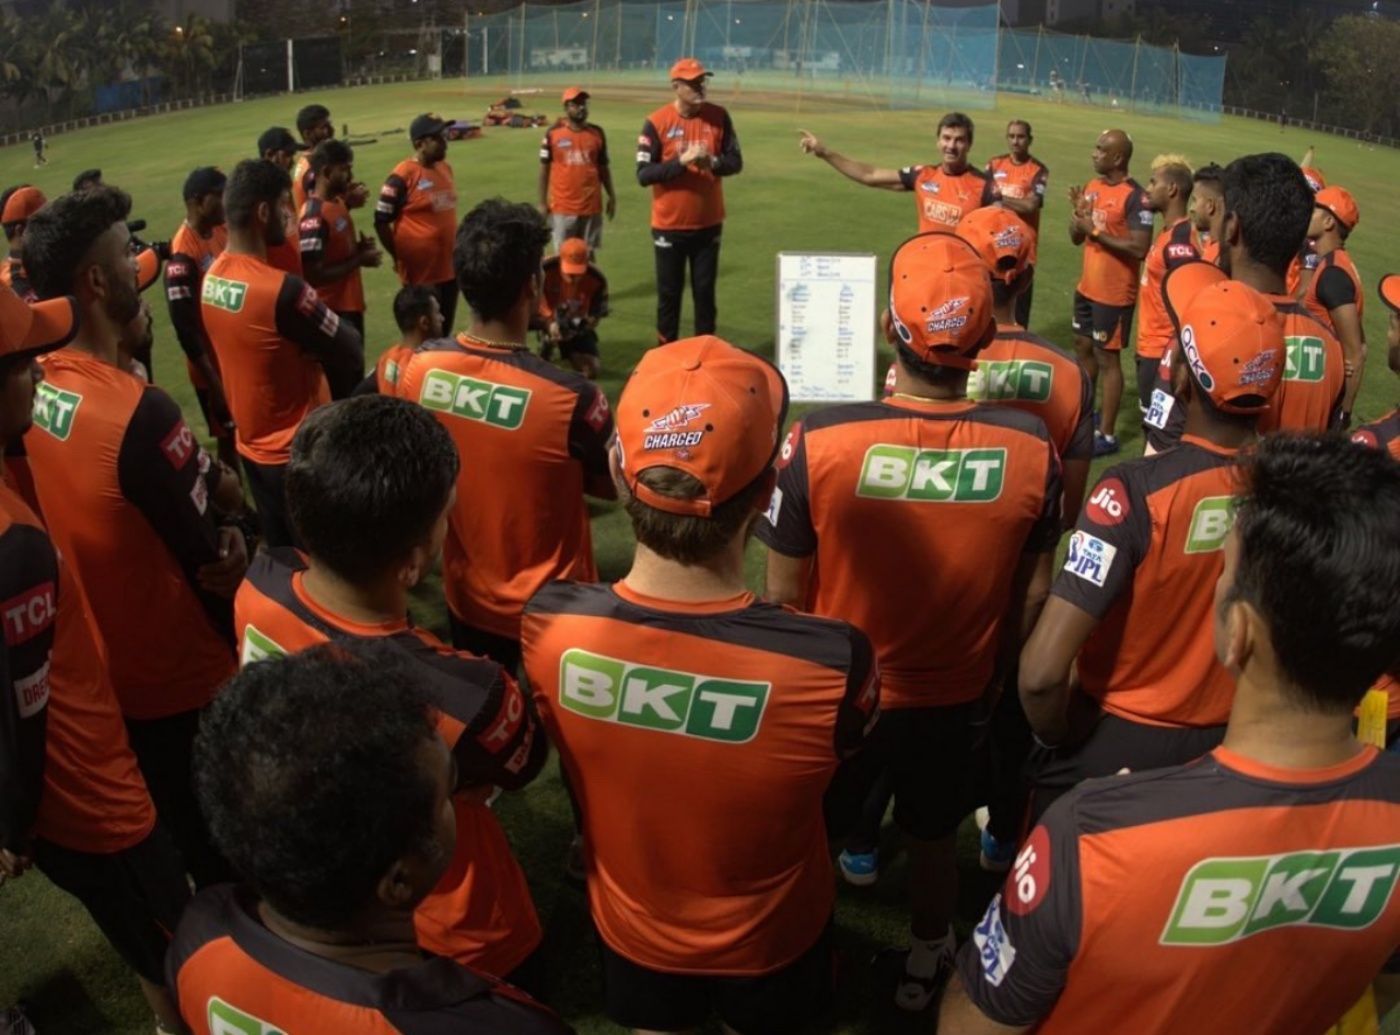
x,y
956,120
1175,170
311,116
500,246
1319,560
311,772
940,311
87,178
1268,196
253,182
59,236
411,304
331,152
368,481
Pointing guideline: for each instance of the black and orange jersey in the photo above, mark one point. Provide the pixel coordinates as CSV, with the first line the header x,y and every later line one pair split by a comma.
x,y
230,974
303,180
1176,244
537,437
1335,283
1118,210
1145,902
1028,179
941,198
574,157
420,202
328,235
390,367
1383,433
1143,560
190,258
572,299
66,772
480,913
1210,249
124,486
916,514
13,276
1304,262
712,722
1309,398
277,345
1023,370
687,197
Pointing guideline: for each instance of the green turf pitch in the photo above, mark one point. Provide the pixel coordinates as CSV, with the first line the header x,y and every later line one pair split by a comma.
x,y
49,952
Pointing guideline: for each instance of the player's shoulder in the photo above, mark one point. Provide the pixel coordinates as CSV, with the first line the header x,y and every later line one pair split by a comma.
x,y
997,161
843,415
1041,166
563,597
663,115
1029,345
1299,321
1110,803
270,571
976,172
313,207
1007,421
449,669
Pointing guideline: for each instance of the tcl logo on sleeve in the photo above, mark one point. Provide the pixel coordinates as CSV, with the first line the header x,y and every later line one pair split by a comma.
x,y
179,445
1180,251
598,413
1109,503
505,727
1029,879
28,614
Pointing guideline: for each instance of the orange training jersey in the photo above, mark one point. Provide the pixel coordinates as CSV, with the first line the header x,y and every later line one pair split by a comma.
x,y
917,515
68,774
942,198
1143,560
421,204
1146,903
1335,283
230,974
534,440
1025,371
390,368
266,328
699,739
574,158
687,197
328,234
1025,180
124,487
1119,209
190,258
565,299
1174,245
481,913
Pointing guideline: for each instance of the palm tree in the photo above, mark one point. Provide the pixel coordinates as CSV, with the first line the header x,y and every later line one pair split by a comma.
x,y
189,55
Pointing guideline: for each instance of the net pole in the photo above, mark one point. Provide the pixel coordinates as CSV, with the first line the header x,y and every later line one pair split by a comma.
x,y
1137,46
593,57
1035,61
291,79
1083,57
520,59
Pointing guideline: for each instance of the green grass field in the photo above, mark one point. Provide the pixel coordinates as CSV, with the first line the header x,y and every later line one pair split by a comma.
x,y
51,956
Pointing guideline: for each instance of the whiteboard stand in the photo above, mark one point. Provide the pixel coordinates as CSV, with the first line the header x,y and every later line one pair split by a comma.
x,y
826,325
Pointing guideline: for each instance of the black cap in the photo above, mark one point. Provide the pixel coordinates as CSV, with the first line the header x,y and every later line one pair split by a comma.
x,y
204,180
279,138
426,126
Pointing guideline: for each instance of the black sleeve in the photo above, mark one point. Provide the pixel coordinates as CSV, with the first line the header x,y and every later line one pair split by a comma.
x,y
28,587
909,176
591,430
602,147
989,191
1109,541
860,707
1136,213
313,232
545,152
369,386
1334,288
730,159
1081,442
650,168
598,306
392,198
182,281
1045,533
304,319
787,528
161,469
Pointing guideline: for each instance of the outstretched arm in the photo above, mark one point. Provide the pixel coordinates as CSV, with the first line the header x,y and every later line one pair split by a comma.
x,y
860,172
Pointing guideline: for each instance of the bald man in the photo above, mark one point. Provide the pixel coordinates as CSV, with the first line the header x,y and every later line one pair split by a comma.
x,y
1111,219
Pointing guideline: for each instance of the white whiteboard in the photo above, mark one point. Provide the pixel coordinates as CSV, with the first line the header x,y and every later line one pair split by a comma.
x,y
826,325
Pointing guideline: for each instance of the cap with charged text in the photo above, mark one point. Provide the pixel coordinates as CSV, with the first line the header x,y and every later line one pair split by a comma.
x,y
429,125
575,93
704,407
204,180
941,299
279,138
21,204
32,329
689,69
1339,202
1231,336
573,256
1000,236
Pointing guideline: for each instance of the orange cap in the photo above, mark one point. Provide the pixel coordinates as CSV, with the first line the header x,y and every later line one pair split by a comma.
x,y
573,256
1314,176
1001,237
573,93
22,204
1390,291
36,328
941,299
707,408
1339,202
1231,336
147,268
689,69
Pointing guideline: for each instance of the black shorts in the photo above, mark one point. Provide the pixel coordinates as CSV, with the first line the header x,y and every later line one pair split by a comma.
x,y
787,1000
930,755
584,342
134,896
1107,325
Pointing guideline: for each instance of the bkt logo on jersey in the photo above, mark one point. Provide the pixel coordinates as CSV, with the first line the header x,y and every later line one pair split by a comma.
x,y
229,1020
1210,524
500,405
688,703
55,410
258,646
1025,379
932,475
1228,899
224,294
1306,358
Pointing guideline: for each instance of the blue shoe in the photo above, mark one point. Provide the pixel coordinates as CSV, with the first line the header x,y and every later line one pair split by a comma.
x,y
995,856
860,868
1105,445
